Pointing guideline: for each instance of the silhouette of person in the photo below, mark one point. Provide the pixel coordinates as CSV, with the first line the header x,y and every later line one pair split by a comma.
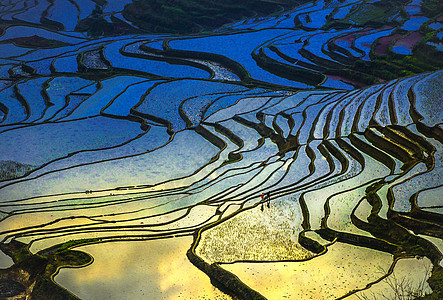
x,y
262,196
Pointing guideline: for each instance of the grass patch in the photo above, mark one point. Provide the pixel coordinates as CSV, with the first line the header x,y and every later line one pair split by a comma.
x,y
12,169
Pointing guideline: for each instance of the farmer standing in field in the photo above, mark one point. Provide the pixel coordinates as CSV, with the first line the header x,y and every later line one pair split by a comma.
x,y
262,200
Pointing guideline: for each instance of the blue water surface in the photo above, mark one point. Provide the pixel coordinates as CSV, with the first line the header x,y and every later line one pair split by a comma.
x,y
413,24
66,64
401,50
435,25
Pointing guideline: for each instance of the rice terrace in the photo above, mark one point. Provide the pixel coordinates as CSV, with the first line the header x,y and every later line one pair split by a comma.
x,y
200,149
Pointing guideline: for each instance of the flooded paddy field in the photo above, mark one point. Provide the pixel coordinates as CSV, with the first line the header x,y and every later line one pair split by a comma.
x,y
262,151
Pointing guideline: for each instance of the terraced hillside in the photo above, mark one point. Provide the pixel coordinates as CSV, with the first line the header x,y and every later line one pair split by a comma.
x,y
296,155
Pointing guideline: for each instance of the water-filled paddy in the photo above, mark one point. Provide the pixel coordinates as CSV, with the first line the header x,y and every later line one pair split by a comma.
x,y
161,263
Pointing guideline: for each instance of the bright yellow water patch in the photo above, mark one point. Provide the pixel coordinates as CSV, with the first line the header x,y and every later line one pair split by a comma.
x,y
342,269
157,269
409,279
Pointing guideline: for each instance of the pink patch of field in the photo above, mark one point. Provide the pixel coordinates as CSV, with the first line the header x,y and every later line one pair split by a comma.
x,y
346,80
410,40
383,43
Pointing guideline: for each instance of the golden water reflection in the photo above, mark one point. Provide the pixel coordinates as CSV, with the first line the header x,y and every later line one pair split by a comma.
x,y
343,268
157,269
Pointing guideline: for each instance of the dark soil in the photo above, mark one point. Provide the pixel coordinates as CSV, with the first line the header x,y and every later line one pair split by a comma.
x,y
10,288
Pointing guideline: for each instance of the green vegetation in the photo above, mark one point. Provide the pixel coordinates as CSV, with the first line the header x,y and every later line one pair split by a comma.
x,y
179,16
431,8
379,13
310,244
184,16
12,169
100,2
425,58
42,266
35,41
16,250
436,284
96,25
70,244
46,289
